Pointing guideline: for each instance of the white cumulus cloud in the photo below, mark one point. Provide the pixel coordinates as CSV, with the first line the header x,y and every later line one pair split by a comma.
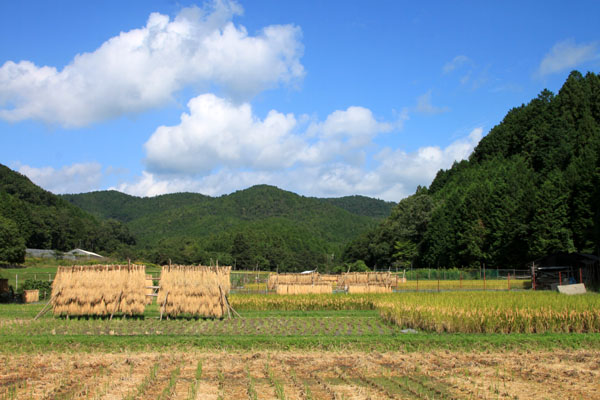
x,y
217,133
142,68
76,178
566,55
394,175
420,167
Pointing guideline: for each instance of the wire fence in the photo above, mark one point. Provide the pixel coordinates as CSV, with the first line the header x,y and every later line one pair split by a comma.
x,y
409,280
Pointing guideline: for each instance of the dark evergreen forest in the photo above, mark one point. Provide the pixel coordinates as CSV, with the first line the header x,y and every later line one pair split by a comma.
x,y
530,188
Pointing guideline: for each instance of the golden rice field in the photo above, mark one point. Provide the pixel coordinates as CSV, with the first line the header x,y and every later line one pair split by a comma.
x,y
466,312
494,312
471,284
429,285
515,375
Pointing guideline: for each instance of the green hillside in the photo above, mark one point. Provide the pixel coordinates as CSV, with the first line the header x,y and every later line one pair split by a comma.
x,y
261,225
362,205
530,188
35,218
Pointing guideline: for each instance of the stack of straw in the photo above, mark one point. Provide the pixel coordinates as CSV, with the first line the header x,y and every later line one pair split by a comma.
x,y
332,279
317,288
292,279
31,296
195,290
99,290
357,288
369,278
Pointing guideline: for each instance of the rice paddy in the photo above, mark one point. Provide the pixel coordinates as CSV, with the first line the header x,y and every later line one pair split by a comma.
x,y
446,345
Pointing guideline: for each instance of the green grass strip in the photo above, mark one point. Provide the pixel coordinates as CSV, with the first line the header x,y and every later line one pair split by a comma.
x,y
407,342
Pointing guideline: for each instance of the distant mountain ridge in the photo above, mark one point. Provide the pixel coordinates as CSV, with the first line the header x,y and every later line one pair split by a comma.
x,y
125,207
280,228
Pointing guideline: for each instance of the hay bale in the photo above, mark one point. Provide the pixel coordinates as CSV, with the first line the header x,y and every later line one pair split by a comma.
x,y
99,290
195,290
31,296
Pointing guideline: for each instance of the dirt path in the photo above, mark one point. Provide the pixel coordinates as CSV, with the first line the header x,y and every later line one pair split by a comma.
x,y
302,375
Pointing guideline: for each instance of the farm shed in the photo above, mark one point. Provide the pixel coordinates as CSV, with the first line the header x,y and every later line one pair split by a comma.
x,y
79,253
74,254
99,290
4,286
566,268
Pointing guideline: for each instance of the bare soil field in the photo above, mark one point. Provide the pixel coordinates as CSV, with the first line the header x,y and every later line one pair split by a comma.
x,y
524,374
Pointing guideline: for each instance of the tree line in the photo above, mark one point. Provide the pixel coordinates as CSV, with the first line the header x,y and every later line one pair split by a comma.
x,y
530,188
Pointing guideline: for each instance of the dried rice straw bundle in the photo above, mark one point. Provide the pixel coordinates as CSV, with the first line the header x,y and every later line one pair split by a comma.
x,y
99,290
195,290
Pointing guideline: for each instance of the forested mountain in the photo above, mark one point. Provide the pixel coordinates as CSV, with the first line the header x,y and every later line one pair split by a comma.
x,y
261,225
35,218
362,205
530,188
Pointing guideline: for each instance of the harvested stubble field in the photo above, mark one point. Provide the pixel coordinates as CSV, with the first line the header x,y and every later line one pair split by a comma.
x,y
302,375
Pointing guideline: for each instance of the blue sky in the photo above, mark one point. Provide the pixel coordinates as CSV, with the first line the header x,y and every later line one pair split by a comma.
x,y
323,98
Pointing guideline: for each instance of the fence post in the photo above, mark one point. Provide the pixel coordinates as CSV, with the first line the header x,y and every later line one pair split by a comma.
x,y
560,278
483,276
417,280
461,279
16,282
438,276
508,281
533,276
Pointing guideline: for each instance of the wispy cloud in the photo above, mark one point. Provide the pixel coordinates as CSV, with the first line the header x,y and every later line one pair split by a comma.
x,y
566,55
76,178
456,63
424,105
